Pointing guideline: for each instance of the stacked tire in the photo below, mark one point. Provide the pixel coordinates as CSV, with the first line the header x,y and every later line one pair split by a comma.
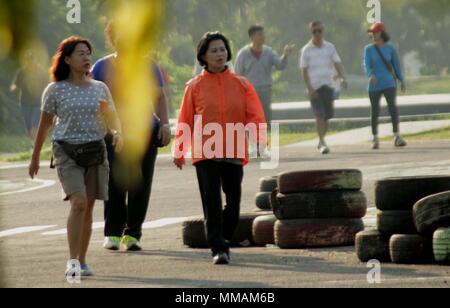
x,y
432,219
266,186
263,226
318,208
403,220
194,235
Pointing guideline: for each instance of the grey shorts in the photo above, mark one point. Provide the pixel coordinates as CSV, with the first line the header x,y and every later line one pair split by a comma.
x,y
91,181
322,106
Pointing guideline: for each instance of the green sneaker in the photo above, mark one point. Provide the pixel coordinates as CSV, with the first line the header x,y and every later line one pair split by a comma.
x,y
111,243
130,243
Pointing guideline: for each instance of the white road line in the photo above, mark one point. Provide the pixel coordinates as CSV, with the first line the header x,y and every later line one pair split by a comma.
x,y
148,225
19,166
44,184
405,279
162,222
21,230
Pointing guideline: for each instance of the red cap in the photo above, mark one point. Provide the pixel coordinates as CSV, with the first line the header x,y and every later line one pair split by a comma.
x,y
377,27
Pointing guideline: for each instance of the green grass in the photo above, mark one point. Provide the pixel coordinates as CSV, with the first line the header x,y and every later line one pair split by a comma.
x,y
14,148
14,144
286,137
433,135
431,86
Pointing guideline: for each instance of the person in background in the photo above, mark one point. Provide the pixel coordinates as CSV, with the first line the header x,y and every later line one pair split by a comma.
x,y
382,66
84,110
29,82
319,62
237,103
256,63
123,220
167,89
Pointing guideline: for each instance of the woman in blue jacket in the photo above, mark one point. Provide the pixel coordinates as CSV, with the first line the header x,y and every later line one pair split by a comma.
x,y
382,66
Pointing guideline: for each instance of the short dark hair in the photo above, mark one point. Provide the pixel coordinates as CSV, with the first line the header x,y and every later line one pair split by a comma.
x,y
254,29
206,40
385,36
60,70
315,24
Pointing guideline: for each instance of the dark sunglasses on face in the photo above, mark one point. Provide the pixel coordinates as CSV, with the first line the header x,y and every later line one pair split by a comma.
x,y
317,31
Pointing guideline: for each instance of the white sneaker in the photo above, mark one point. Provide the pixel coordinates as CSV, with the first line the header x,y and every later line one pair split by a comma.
x,y
375,143
111,243
265,154
73,269
323,148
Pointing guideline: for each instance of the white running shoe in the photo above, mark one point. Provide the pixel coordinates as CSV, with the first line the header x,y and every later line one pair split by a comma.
x,y
111,243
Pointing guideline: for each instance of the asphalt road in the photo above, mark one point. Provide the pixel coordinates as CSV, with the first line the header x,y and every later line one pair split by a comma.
x,y
36,259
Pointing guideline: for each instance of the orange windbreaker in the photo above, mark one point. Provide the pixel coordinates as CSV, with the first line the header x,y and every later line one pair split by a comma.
x,y
220,99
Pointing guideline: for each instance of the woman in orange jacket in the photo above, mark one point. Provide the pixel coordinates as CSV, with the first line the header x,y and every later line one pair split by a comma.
x,y
218,108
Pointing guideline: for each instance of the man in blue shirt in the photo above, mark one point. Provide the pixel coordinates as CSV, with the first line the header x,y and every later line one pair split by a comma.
x,y
382,66
123,222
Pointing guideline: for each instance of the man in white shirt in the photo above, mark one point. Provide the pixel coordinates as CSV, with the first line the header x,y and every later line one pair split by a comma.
x,y
319,62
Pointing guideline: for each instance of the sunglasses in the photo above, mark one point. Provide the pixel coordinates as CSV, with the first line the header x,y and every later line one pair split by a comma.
x,y
317,31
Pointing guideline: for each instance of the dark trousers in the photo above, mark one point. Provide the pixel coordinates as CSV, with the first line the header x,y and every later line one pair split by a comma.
x,y
121,219
220,223
265,96
375,99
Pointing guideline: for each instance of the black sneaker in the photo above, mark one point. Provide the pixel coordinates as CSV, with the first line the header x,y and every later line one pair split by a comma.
x,y
221,258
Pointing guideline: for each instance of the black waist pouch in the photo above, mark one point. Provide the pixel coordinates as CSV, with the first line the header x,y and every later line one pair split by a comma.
x,y
87,154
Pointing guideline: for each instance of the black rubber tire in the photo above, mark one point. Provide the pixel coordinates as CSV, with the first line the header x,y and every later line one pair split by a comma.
x,y
262,201
304,233
268,184
263,230
193,231
410,249
432,212
402,193
372,245
334,204
320,180
441,245
396,222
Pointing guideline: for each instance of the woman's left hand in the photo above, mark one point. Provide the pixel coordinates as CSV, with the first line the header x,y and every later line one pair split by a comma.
x,y
403,88
117,142
179,162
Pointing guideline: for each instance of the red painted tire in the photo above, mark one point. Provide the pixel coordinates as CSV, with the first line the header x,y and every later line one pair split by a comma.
x,y
263,230
303,233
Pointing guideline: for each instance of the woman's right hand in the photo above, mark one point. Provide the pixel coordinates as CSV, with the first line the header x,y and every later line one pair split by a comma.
x,y
33,169
373,80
